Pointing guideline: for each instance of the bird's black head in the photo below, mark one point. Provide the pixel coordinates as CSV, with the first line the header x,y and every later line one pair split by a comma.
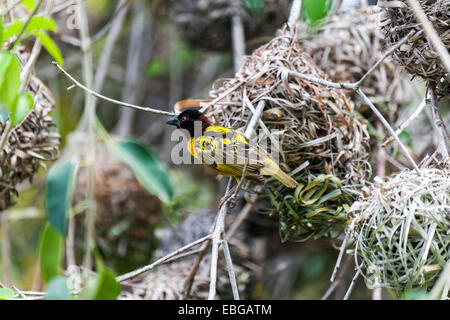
x,y
186,120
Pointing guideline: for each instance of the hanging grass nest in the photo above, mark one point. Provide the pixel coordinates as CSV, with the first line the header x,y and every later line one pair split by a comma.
x,y
397,19
401,229
30,144
321,141
347,45
207,23
126,213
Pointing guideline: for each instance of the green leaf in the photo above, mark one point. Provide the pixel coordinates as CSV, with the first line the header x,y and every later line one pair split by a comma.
x,y
29,4
313,11
416,294
1,31
104,285
58,194
39,23
13,29
50,46
6,293
9,80
24,104
148,169
256,7
5,60
156,67
50,253
57,289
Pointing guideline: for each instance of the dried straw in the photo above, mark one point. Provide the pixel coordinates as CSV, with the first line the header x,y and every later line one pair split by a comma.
x,y
347,45
417,55
401,229
31,144
316,125
207,23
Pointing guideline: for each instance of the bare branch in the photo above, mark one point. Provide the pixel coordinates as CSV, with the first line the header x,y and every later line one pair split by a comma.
x,y
407,122
389,128
89,115
100,96
440,126
294,14
238,36
135,273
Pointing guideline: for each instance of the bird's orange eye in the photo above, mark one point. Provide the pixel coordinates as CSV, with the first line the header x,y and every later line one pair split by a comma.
x,y
183,119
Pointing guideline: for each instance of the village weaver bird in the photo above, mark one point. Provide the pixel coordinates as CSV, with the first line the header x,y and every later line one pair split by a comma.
x,y
226,151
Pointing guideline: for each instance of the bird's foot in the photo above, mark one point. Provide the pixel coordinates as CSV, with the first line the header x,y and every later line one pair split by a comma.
x,y
226,198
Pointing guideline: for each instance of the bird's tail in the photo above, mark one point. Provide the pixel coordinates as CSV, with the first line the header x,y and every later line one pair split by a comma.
x,y
272,169
285,179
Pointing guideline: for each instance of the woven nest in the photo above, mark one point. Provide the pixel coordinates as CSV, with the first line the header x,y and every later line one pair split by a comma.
x,y
126,213
347,45
401,229
315,125
207,23
31,144
416,55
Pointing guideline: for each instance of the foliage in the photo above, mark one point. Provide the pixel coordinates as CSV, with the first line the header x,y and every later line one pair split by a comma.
x,y
16,101
313,11
58,194
146,166
6,293
50,253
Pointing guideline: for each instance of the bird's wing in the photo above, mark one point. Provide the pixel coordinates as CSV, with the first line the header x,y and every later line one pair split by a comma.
x,y
227,151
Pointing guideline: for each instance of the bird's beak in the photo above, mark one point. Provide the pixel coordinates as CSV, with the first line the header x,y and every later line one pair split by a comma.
x,y
174,122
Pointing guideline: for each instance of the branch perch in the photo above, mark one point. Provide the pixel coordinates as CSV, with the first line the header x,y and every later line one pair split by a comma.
x,y
117,102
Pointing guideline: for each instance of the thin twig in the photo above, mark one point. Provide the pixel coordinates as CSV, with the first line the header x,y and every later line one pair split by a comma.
x,y
381,153
241,217
388,127
25,25
105,58
89,111
431,33
338,280
216,241
384,56
254,119
406,123
352,284
135,273
117,102
238,36
230,270
341,253
191,277
294,14
133,67
440,126
26,71
356,87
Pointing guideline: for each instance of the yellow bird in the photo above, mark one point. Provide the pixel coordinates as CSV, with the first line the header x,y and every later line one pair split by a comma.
x,y
226,151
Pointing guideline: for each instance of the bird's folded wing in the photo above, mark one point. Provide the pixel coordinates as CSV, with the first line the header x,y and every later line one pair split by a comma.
x,y
227,151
